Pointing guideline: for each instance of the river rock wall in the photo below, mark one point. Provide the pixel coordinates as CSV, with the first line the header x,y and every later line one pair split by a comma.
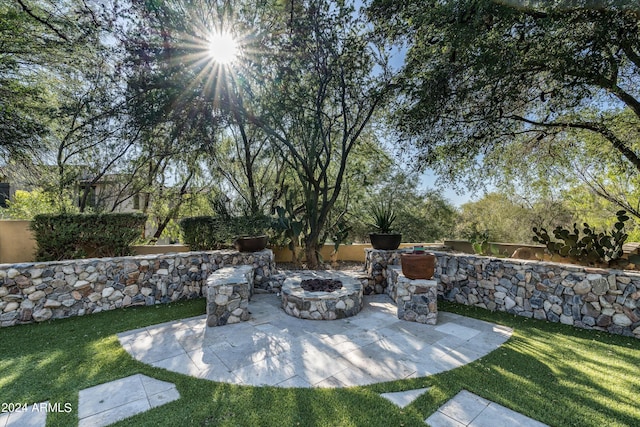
x,y
35,292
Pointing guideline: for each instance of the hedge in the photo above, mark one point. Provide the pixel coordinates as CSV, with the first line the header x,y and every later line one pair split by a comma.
x,y
203,233
72,236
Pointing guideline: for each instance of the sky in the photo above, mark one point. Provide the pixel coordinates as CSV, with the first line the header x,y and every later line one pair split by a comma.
x,y
428,178
428,181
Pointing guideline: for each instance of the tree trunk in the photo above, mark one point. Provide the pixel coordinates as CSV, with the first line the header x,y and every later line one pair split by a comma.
x,y
312,251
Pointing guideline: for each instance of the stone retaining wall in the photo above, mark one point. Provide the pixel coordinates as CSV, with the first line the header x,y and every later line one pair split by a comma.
x,y
591,298
603,299
53,290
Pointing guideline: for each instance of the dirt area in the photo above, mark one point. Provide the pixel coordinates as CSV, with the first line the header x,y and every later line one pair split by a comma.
x,y
340,265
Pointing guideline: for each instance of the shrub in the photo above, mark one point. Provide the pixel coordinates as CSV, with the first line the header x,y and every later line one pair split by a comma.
x,y
204,233
383,216
70,236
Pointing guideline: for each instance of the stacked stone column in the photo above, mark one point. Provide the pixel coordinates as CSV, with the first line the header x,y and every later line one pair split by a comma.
x,y
416,300
228,293
375,265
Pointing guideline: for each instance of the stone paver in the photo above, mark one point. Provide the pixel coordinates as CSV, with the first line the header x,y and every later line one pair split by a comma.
x,y
272,348
107,403
31,416
469,410
404,398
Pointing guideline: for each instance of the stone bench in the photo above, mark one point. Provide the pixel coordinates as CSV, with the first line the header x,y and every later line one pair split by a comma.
x,y
416,300
228,291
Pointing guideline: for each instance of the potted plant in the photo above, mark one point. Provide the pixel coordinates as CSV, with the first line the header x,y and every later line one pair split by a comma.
x,y
383,217
418,264
251,233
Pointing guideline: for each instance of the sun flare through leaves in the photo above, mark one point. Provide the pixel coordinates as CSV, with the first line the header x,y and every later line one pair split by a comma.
x,y
223,48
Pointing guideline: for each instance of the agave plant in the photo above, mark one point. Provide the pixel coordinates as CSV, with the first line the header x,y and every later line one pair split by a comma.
x,y
383,217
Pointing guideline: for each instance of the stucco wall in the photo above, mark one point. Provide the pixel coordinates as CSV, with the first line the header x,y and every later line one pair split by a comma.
x,y
16,242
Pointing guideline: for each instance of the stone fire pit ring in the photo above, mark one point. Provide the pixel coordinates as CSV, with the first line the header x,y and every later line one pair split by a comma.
x,y
344,302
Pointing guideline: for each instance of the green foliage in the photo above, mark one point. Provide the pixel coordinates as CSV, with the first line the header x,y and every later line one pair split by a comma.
x,y
488,85
421,215
480,241
425,216
70,236
251,225
340,233
204,233
383,216
287,226
171,231
506,218
589,248
28,204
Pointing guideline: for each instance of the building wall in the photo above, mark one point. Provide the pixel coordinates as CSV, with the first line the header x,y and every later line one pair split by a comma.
x,y
17,245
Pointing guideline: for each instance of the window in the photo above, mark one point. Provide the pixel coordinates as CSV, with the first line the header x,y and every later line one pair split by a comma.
x,y
5,188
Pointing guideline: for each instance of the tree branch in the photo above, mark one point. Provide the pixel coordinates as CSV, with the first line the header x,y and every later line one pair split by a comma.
x,y
42,21
599,128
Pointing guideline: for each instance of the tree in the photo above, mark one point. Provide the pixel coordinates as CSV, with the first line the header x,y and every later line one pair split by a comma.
x,y
421,215
323,62
174,101
331,75
510,219
479,74
64,90
579,165
34,35
28,204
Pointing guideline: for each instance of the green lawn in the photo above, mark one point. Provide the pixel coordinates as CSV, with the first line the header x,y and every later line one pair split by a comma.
x,y
556,374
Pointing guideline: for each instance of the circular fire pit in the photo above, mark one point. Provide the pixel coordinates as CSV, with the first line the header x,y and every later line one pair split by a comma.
x,y
320,305
321,285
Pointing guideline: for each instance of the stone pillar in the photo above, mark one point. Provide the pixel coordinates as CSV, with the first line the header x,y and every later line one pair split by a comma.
x,y
228,292
375,265
417,300
392,281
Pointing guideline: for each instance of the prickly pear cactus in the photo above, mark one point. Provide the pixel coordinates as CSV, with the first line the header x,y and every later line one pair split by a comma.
x,y
591,247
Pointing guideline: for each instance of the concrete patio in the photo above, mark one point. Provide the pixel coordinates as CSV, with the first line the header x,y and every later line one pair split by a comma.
x,y
275,349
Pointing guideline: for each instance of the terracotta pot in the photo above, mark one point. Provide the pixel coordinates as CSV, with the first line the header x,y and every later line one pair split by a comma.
x,y
251,244
418,266
386,242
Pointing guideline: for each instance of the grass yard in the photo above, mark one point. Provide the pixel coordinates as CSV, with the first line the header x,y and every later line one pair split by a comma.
x,y
556,374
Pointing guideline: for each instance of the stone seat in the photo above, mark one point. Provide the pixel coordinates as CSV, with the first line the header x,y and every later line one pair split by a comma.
x,y
416,299
228,291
